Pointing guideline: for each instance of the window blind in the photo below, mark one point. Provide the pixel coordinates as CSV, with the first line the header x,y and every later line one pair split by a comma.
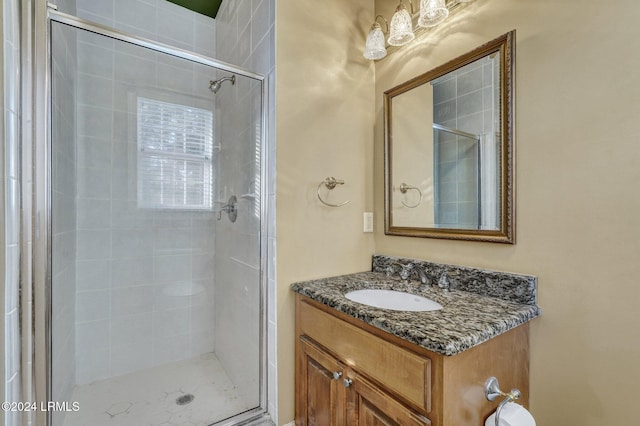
x,y
175,150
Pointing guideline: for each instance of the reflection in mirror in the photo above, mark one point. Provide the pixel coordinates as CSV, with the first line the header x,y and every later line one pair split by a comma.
x,y
449,148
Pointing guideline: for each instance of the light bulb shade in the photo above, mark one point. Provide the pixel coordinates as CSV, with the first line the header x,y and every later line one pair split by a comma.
x,y
432,12
401,28
374,46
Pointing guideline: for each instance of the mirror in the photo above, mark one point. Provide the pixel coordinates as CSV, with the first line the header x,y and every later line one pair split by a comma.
x,y
449,149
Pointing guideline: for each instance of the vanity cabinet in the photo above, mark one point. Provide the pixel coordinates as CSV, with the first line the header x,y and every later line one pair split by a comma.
x,y
349,373
332,394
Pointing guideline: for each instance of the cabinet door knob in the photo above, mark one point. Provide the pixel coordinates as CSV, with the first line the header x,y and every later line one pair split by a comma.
x,y
337,375
347,382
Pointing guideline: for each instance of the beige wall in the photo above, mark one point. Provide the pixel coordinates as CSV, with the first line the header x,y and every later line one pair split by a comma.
x,y
578,168
325,104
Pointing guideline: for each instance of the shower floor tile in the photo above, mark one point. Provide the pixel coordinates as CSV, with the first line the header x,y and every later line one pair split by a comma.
x,y
148,397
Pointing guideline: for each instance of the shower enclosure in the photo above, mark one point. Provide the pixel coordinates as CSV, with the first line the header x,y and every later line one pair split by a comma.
x,y
156,274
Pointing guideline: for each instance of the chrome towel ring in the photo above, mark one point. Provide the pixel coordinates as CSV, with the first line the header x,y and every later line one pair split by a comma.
x,y
404,188
330,183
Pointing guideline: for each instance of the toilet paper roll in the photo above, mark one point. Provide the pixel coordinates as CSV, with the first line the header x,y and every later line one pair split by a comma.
x,y
512,414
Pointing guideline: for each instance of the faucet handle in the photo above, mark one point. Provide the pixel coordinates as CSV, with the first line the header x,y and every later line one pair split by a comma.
x,y
389,270
405,270
445,282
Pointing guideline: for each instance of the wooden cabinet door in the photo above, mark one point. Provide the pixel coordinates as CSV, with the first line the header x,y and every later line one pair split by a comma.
x,y
320,397
367,405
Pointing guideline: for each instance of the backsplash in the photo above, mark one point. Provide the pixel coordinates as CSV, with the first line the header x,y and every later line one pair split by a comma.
x,y
503,285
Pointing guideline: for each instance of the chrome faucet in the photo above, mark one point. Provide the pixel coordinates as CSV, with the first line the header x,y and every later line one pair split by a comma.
x,y
445,281
406,271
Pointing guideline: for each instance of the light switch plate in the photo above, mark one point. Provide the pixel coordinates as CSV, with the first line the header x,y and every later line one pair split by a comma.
x,y
368,222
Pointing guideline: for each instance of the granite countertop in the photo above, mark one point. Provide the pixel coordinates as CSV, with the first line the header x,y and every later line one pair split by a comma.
x,y
466,319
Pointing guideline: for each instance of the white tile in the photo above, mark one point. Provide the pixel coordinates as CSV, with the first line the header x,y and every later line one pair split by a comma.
x,y
171,349
124,184
171,322
128,243
94,91
94,183
92,305
129,272
102,8
128,358
202,319
243,14
93,274
131,329
92,334
131,300
175,78
136,14
95,59
205,37
93,244
93,214
168,241
261,56
202,343
172,269
94,152
202,267
135,69
127,215
94,121
176,23
260,23
92,365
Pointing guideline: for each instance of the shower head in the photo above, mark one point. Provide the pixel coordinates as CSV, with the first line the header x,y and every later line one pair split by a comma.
x,y
214,85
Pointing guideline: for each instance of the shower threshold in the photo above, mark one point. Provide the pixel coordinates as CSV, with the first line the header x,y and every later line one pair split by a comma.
x,y
194,392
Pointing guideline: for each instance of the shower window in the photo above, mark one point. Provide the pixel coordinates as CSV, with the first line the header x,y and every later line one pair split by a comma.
x,y
175,155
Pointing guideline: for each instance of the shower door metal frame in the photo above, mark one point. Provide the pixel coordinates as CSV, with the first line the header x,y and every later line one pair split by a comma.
x,y
39,16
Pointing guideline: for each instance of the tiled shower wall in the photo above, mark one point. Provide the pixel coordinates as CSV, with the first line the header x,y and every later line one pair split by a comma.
x,y
465,99
245,36
157,20
10,232
131,261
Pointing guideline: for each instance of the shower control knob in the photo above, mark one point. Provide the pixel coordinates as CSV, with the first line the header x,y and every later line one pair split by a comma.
x,y
347,382
337,375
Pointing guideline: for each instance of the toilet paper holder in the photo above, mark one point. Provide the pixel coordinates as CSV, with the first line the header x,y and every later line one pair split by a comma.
x,y
492,391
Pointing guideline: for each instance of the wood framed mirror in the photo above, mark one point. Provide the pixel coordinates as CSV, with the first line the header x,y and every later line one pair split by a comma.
x,y
449,149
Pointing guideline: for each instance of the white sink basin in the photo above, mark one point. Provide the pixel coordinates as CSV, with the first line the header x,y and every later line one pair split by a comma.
x,y
394,300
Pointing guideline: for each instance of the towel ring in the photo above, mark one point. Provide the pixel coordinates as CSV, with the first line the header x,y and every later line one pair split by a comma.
x,y
404,188
330,183
492,391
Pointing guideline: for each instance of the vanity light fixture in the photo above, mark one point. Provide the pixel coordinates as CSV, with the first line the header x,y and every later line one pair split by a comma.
x,y
432,13
374,46
401,31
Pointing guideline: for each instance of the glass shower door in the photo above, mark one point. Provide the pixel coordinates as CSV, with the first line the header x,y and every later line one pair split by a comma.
x,y
156,292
